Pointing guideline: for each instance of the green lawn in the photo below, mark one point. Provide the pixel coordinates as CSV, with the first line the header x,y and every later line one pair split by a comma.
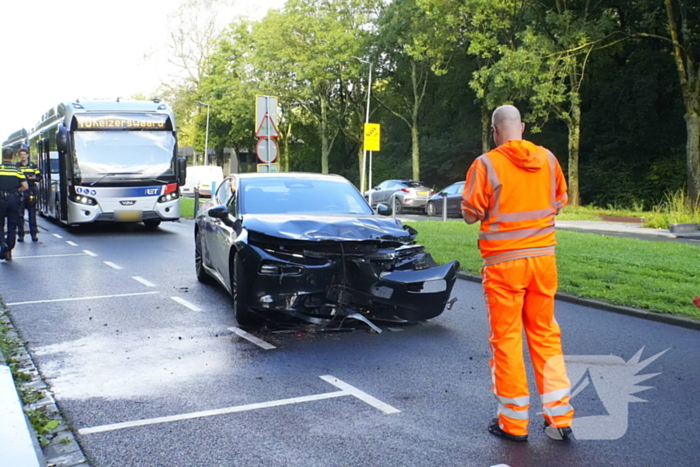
x,y
658,276
187,207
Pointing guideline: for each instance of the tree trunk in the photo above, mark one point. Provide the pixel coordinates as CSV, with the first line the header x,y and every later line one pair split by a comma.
x,y
485,129
574,123
415,150
323,128
692,122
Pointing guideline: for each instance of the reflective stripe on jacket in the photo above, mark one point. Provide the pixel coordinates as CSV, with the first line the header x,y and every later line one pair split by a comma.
x,y
10,178
515,191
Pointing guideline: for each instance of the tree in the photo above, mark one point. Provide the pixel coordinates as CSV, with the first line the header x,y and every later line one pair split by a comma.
x,y
686,53
304,52
412,46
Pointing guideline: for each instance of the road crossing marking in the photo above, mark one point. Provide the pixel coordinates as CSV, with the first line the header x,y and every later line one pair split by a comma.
x,y
143,281
71,243
57,236
81,298
112,265
48,256
257,341
347,390
89,253
186,303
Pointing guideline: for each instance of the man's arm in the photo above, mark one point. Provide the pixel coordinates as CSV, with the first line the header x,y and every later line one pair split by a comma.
x,y
24,186
561,188
476,194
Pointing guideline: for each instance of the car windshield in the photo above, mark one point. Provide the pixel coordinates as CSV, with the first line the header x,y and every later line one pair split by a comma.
x,y
122,154
282,195
412,184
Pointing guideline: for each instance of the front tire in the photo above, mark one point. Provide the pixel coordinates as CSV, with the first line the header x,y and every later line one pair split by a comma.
x,y
430,209
151,223
243,314
202,275
398,207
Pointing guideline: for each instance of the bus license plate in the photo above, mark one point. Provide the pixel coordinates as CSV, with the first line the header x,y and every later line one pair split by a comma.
x,y
125,215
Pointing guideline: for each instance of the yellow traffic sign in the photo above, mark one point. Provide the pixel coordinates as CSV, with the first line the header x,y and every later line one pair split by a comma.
x,y
372,136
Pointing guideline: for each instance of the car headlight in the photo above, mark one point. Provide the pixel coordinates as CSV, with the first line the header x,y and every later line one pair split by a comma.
x,y
85,200
168,197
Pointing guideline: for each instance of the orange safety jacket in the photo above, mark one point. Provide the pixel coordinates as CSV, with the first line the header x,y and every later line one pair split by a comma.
x,y
515,191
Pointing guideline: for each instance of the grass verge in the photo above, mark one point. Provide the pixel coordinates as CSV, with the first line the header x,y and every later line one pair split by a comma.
x,y
662,277
187,207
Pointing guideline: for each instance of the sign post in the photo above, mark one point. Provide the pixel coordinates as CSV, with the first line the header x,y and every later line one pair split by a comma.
x,y
372,143
266,124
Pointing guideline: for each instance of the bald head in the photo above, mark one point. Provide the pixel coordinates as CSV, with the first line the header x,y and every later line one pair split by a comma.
x,y
506,124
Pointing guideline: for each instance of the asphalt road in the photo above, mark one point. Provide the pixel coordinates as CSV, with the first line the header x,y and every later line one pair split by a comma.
x,y
118,349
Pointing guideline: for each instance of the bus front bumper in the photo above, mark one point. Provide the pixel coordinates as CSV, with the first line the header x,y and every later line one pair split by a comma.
x,y
106,212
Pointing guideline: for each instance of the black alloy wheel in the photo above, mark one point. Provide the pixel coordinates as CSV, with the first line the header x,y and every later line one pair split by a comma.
x,y
202,275
243,314
430,209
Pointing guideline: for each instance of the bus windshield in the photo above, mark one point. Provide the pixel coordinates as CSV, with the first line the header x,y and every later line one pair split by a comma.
x,y
131,155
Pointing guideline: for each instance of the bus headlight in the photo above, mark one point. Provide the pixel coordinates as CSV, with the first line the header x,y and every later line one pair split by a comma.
x,y
168,197
85,200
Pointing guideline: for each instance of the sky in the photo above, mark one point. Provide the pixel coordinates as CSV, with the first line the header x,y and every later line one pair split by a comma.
x,y
54,51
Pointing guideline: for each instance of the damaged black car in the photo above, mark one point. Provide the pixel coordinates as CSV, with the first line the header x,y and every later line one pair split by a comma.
x,y
308,246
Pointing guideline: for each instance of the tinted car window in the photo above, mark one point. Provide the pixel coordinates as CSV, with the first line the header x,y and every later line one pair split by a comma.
x,y
411,184
282,195
224,192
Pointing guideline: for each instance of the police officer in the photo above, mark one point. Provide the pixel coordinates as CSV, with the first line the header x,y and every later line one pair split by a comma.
x,y
12,182
28,203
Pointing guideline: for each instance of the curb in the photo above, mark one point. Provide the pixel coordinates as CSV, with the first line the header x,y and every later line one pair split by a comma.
x,y
674,320
62,450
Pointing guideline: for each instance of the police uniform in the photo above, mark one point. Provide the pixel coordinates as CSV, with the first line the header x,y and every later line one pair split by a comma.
x,y
28,202
10,181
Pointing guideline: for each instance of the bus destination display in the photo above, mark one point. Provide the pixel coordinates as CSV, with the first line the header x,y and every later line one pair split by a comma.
x,y
122,122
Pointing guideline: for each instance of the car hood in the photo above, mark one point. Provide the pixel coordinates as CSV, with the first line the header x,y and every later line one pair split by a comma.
x,y
323,228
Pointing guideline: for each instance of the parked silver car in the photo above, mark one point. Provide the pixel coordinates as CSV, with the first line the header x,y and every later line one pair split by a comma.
x,y
408,194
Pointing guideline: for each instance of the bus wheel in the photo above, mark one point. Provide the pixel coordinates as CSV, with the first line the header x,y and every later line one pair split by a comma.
x,y
151,223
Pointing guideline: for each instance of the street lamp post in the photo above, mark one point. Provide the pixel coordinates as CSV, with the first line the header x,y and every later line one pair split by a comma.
x,y
206,135
364,153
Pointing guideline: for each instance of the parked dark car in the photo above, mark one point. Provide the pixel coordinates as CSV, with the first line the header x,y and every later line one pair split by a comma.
x,y
453,193
309,246
409,194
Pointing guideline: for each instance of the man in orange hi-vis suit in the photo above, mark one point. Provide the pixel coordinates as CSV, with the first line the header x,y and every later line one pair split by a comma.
x,y
515,191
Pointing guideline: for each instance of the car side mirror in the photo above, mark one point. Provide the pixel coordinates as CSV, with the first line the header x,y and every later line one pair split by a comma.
x,y
383,209
221,212
62,138
376,187
218,212
181,170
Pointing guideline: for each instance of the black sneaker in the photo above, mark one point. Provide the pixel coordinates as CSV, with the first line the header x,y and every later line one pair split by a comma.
x,y
20,238
496,430
8,255
35,238
558,434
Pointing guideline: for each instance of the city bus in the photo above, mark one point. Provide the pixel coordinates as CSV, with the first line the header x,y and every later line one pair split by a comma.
x,y
108,161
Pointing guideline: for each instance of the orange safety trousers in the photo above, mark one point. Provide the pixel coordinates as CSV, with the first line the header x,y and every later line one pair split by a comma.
x,y
520,294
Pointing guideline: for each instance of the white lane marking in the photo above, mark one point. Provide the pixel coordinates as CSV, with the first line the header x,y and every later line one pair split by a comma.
x,y
186,303
347,390
143,281
82,298
363,396
252,338
209,413
57,236
89,253
48,256
71,243
112,265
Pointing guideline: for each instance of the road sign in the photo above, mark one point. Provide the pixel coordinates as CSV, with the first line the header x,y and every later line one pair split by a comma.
x,y
268,168
372,136
265,106
267,128
267,150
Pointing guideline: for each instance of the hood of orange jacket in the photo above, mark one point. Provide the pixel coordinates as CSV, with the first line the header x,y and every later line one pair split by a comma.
x,y
523,154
